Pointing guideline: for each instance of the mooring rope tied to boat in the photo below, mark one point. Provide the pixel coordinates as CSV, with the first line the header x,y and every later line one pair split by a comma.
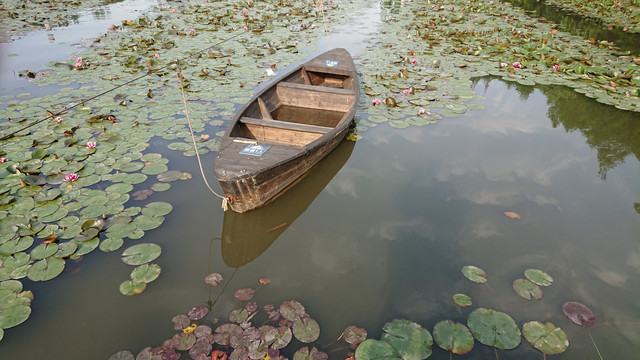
x,y
225,201
51,115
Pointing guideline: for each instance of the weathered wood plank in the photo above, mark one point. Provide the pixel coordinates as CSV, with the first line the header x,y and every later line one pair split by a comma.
x,y
317,97
285,125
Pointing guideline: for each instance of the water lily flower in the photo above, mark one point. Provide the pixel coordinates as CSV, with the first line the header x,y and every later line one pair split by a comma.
x,y
174,11
234,28
628,94
556,67
376,102
295,43
421,111
79,59
517,65
71,177
245,28
156,55
189,328
506,18
59,119
78,65
407,92
192,31
503,64
244,13
414,61
3,160
91,144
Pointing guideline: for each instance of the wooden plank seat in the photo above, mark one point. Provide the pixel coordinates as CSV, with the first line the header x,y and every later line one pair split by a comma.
x,y
311,96
282,132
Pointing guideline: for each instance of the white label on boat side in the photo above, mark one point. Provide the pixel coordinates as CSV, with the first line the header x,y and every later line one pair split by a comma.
x,y
331,63
256,150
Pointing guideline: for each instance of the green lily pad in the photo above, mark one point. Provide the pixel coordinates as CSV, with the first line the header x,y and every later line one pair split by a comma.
x,y
46,269
13,315
527,289
169,176
111,244
452,336
130,288
474,274
86,247
16,245
157,209
408,339
120,188
494,328
462,300
306,329
145,273
145,222
538,277
158,187
66,249
372,349
43,251
141,254
545,337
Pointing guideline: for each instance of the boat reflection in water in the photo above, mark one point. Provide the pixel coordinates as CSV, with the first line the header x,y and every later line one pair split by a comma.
x,y
246,236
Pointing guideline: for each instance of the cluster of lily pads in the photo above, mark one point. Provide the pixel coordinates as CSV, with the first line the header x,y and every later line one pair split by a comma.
x,y
621,13
249,331
433,51
404,339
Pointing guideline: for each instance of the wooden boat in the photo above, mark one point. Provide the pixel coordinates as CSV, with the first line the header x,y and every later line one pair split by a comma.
x,y
246,236
286,129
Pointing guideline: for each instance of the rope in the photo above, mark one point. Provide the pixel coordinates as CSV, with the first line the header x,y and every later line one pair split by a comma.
x,y
326,30
51,115
225,201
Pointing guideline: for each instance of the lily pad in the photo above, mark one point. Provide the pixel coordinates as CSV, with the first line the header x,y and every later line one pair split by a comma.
x,y
494,328
579,314
462,300
354,335
527,289
141,254
408,339
130,288
538,277
545,337
244,294
46,269
306,330
474,274
372,349
452,336
145,273
157,209
13,315
292,310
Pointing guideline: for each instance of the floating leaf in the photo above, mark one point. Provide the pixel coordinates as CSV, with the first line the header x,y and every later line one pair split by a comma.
x,y
130,288
291,310
244,294
545,337
141,254
452,336
46,269
13,315
494,328
474,274
185,340
145,273
306,329
527,289
354,335
198,312
409,339
180,321
313,354
579,314
157,209
462,300
538,277
122,355
372,349
512,215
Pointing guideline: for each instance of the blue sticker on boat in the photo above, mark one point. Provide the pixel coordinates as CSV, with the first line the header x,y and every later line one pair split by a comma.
x,y
331,63
256,150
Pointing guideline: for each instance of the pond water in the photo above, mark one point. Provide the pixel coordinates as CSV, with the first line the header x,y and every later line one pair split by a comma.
x,y
382,227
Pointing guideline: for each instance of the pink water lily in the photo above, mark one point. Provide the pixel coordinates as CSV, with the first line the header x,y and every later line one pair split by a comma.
x,y
376,101
3,160
421,111
414,61
71,177
556,67
91,144
245,28
79,59
59,119
517,65
503,64
407,92
156,55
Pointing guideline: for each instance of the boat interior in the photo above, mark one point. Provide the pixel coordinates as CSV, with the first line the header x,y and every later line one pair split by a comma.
x,y
299,109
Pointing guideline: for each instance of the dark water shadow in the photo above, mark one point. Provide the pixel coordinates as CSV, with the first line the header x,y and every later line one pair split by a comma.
x,y
582,26
246,236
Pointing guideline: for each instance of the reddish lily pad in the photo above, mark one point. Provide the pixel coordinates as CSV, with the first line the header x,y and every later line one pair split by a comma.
x,y
579,314
354,335
306,330
244,294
